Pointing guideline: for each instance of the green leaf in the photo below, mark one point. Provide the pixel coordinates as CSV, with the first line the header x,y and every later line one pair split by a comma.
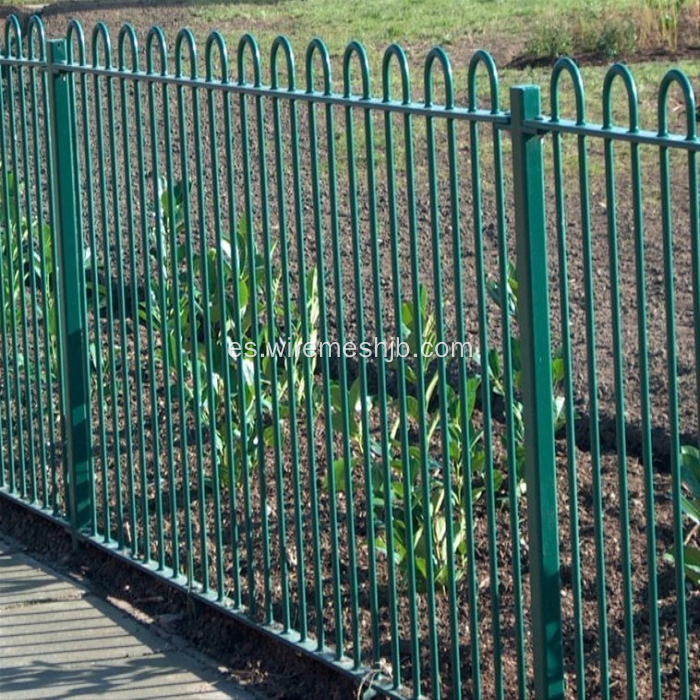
x,y
559,405
339,477
558,371
242,246
691,507
691,561
690,468
413,408
407,319
495,364
248,370
439,528
423,295
473,384
355,404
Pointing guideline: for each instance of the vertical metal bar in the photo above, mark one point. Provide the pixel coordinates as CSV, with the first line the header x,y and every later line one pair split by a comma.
x,y
396,274
205,394
120,386
646,421
56,322
682,81
6,284
267,309
208,409
150,342
190,336
3,323
219,309
344,387
95,283
15,273
420,387
29,311
360,333
269,365
164,219
593,410
647,425
510,401
560,183
618,364
441,370
305,291
694,212
494,586
540,464
674,419
73,297
326,393
141,540
293,372
378,296
257,437
130,265
44,243
77,189
238,229
228,381
104,188
174,239
559,186
39,268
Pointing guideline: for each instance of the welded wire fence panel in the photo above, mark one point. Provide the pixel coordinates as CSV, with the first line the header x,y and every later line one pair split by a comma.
x,y
311,397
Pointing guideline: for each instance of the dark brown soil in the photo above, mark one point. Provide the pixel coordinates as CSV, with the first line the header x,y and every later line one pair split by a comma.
x,y
278,677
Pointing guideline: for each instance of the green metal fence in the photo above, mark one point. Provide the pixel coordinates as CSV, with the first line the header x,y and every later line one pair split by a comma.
x,y
449,510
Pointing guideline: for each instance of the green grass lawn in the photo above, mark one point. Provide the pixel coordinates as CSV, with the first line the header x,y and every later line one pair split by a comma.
x,y
379,22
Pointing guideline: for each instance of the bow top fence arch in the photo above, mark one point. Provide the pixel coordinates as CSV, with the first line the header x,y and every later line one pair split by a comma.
x,y
409,383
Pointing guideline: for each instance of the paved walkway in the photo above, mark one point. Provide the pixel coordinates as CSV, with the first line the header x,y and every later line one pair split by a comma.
x,y
59,640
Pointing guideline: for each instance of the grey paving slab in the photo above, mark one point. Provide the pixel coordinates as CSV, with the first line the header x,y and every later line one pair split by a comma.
x,y
57,640
21,580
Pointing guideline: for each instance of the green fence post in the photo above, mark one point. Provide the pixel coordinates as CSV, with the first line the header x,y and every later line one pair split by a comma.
x,y
72,304
540,465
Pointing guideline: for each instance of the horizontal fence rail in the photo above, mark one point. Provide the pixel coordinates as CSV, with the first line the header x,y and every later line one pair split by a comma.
x,y
402,382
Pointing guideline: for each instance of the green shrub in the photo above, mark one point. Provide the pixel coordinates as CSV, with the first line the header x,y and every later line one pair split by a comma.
x,y
617,37
550,41
588,32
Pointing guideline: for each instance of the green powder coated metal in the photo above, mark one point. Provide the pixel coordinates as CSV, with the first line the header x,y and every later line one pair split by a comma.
x,y
566,65
397,53
486,388
73,308
36,49
370,511
614,266
540,466
672,357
